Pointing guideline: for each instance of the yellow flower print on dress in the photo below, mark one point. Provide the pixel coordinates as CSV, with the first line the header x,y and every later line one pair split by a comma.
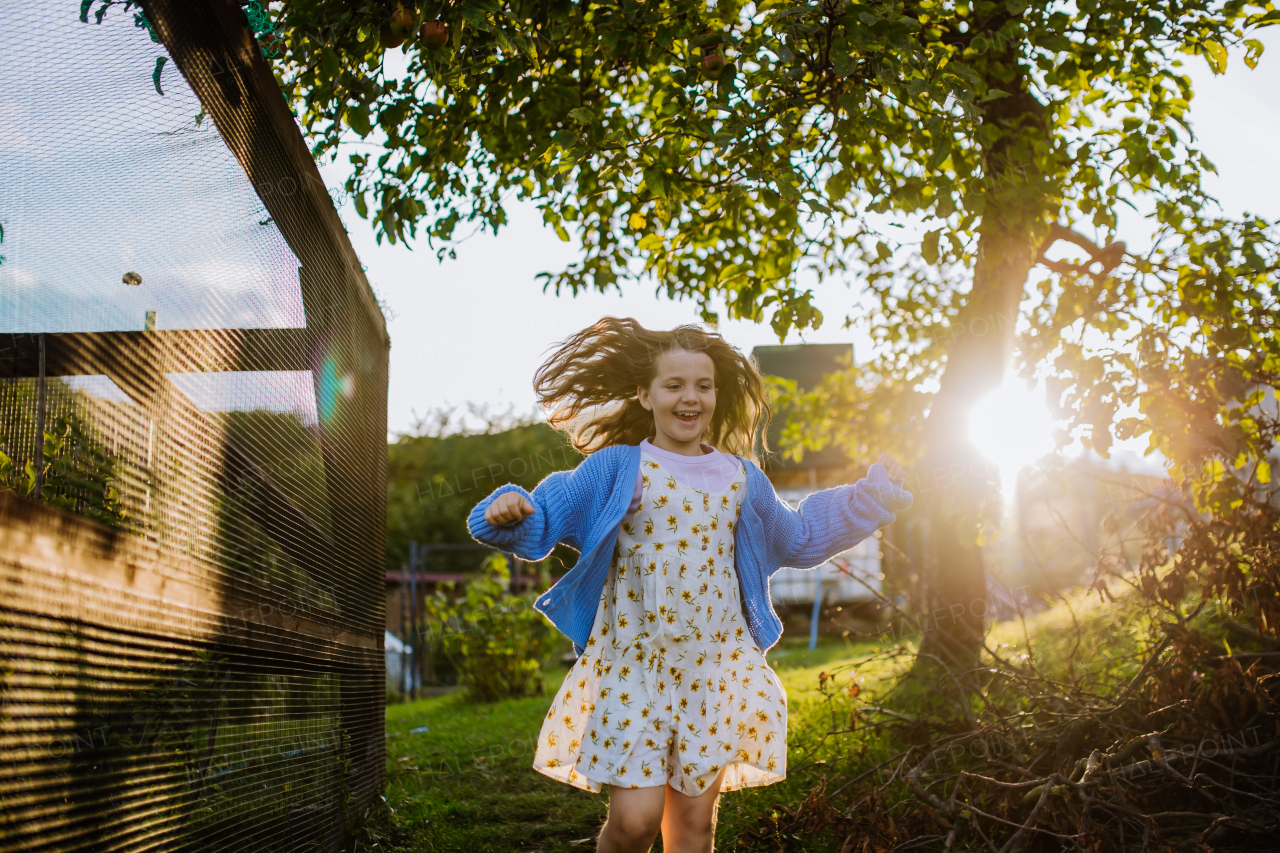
x,y
668,631
644,480
671,483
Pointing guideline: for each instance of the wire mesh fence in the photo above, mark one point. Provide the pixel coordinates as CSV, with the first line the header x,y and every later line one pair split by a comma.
x,y
192,448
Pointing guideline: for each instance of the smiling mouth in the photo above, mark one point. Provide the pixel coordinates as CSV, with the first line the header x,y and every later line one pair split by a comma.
x,y
688,417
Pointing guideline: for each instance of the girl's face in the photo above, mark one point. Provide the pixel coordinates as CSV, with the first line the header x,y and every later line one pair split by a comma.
x,y
682,397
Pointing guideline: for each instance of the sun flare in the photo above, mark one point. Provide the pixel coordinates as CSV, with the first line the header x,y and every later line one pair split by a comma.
x,y
1012,428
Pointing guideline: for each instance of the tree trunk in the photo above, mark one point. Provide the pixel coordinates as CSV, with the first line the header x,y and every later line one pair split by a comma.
x,y
956,479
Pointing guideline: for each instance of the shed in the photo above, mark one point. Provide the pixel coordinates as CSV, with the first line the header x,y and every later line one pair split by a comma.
x,y
852,576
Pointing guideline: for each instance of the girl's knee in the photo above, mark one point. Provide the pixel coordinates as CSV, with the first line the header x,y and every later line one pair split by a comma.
x,y
692,823
633,826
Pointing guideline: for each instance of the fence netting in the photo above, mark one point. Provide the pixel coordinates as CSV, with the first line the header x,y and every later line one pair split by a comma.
x,y
192,448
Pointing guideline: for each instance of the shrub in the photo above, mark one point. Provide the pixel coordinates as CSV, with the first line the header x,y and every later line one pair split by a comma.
x,y
495,640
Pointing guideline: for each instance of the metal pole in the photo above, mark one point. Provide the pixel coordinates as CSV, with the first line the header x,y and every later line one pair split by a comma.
x,y
404,631
817,608
413,632
40,424
817,579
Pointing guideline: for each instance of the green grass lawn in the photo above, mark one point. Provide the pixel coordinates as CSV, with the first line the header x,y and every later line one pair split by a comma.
x,y
466,784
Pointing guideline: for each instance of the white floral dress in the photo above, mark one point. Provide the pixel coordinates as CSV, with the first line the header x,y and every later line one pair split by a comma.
x,y
671,687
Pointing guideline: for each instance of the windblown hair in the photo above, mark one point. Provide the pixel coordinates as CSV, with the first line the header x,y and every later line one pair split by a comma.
x,y
588,386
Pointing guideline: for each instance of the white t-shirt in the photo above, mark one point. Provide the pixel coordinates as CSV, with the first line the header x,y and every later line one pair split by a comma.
x,y
711,472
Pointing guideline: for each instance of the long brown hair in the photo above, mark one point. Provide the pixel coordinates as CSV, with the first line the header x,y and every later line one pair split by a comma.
x,y
588,386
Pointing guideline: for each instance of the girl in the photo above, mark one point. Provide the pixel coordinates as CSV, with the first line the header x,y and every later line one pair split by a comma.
x,y
671,700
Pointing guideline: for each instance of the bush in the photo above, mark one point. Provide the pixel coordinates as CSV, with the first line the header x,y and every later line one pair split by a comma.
x,y
495,640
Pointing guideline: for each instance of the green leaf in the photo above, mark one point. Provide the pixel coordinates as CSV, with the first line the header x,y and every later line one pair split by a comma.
x,y
358,119
649,242
155,75
329,63
725,83
1216,54
929,247
1254,52
941,150
655,181
583,115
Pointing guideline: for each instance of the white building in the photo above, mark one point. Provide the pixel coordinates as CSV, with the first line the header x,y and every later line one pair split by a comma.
x,y
855,575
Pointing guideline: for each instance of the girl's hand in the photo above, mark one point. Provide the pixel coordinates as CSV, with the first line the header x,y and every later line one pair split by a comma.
x,y
896,472
508,508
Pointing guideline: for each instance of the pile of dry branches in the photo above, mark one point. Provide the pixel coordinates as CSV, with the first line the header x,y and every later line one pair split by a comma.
x,y
1005,757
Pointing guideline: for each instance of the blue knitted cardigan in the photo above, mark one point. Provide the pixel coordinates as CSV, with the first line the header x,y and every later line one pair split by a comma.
x,y
582,508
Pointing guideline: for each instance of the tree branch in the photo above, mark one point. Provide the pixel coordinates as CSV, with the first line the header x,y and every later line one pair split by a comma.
x,y
1109,256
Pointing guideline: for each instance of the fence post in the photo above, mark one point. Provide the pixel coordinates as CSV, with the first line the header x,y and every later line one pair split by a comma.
x,y
413,593
404,631
39,487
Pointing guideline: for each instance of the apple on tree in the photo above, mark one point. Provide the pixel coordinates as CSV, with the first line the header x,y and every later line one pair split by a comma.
x,y
435,34
388,38
712,65
402,21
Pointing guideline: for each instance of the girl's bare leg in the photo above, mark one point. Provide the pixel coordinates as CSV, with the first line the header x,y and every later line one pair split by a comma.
x,y
635,816
689,823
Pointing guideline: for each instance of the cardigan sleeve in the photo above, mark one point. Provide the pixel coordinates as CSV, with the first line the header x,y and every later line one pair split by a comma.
x,y
831,521
560,502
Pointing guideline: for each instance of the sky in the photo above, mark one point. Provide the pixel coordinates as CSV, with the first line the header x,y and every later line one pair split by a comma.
x,y
475,329
100,175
